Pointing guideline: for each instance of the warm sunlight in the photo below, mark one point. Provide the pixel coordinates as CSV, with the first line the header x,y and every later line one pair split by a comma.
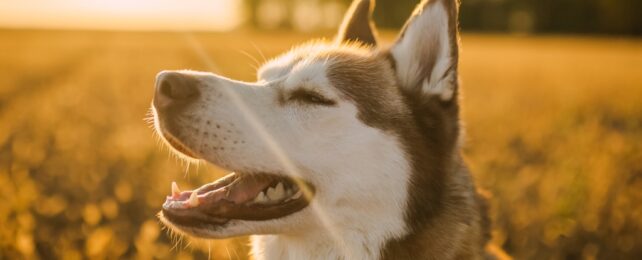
x,y
215,15
316,129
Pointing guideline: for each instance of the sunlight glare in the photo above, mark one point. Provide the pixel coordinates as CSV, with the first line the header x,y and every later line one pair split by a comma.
x,y
215,15
273,146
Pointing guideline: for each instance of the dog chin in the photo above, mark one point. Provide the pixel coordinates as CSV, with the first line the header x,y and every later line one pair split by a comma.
x,y
234,228
230,229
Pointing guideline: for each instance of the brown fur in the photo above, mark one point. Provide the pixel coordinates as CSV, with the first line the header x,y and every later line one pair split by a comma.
x,y
447,218
359,27
444,214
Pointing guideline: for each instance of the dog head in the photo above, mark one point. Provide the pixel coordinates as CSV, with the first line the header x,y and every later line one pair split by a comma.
x,y
331,134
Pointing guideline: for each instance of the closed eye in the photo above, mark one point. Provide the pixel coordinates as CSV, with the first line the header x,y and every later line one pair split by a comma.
x,y
310,97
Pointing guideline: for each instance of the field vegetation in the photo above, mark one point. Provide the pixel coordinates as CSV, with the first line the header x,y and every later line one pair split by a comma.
x,y
554,135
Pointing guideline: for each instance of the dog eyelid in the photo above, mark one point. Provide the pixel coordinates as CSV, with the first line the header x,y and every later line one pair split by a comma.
x,y
310,97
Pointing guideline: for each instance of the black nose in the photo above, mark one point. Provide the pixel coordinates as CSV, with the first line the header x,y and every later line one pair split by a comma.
x,y
174,88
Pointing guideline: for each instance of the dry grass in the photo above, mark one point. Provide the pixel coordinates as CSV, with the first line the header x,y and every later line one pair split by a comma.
x,y
554,133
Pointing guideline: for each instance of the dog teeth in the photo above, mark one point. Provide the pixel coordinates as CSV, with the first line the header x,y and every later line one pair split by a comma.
x,y
280,191
297,195
176,192
193,200
261,198
271,193
277,193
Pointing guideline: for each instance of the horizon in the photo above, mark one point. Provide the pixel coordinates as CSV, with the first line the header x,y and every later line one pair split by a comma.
x,y
122,15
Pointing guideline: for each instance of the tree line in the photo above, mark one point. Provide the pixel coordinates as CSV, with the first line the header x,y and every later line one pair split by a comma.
x,y
525,16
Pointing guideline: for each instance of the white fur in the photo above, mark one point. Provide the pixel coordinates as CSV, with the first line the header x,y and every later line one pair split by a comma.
x,y
360,173
426,36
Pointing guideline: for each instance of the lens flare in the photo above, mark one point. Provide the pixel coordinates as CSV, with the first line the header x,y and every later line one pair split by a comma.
x,y
274,146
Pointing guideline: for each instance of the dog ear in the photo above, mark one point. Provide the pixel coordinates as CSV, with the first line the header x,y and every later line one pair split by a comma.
x,y
357,24
426,52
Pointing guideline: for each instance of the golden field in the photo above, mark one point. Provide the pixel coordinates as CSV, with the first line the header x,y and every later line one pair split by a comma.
x,y
554,134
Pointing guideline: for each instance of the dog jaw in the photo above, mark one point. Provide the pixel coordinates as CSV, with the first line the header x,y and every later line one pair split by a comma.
x,y
245,127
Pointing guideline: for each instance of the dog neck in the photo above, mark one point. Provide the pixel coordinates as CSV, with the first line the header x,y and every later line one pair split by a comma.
x,y
370,236
316,245
357,232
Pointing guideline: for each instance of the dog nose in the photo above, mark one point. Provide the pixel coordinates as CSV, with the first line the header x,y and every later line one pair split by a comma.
x,y
174,88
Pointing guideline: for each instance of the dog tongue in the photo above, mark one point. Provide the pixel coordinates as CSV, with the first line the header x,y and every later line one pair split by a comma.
x,y
231,188
245,189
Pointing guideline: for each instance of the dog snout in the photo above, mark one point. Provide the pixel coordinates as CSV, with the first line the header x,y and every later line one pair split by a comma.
x,y
174,89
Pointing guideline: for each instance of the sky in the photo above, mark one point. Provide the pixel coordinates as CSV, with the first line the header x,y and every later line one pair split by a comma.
x,y
215,15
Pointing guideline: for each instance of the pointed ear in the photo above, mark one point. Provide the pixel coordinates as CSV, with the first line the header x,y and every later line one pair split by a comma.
x,y
426,52
357,25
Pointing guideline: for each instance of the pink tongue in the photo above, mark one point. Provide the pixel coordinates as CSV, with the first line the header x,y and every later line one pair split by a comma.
x,y
246,190
240,191
229,188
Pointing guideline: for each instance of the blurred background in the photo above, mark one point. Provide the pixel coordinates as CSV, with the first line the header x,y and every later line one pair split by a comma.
x,y
552,106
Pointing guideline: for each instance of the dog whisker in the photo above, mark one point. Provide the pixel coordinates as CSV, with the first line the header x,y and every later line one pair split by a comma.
x,y
260,52
256,62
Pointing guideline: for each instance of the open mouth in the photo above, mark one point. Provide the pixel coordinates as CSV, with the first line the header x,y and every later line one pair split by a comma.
x,y
237,196
257,196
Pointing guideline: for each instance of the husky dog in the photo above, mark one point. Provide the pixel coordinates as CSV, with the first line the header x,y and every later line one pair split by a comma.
x,y
340,150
